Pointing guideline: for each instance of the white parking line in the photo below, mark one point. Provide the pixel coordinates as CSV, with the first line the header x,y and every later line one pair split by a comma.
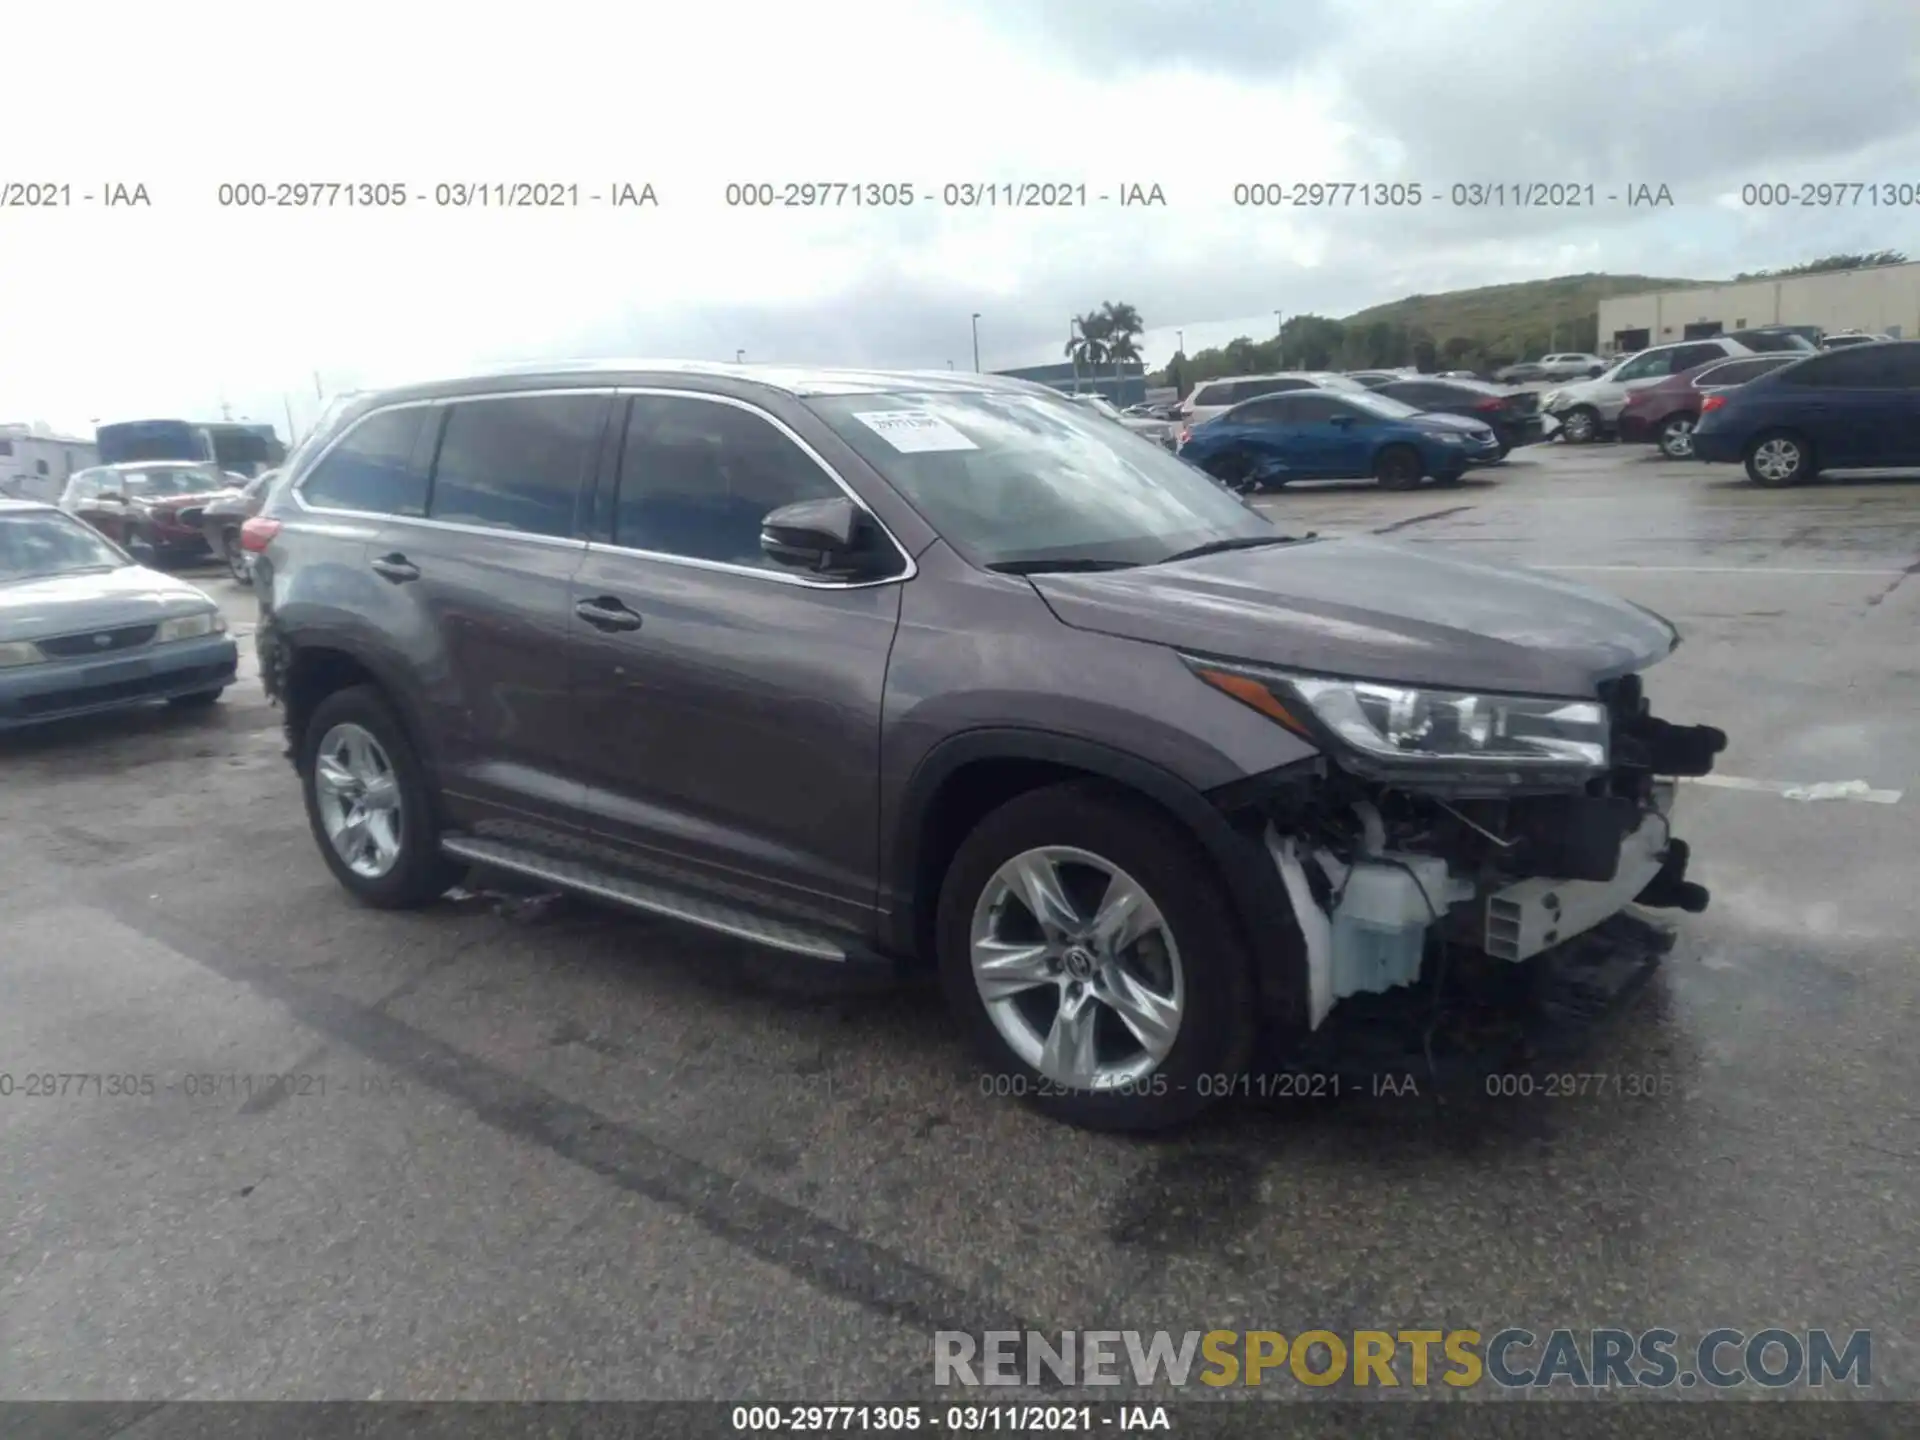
x,y
1708,570
1823,790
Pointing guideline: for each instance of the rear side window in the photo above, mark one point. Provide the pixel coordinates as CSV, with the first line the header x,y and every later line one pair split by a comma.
x,y
1216,394
517,463
1736,372
698,476
1863,367
372,470
1311,409
1258,412
1688,356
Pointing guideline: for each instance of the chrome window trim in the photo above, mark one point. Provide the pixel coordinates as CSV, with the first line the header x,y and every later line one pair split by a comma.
x,y
777,577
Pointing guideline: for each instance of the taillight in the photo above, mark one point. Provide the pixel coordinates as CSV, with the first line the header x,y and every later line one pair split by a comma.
x,y
1186,433
1491,405
258,533
1711,402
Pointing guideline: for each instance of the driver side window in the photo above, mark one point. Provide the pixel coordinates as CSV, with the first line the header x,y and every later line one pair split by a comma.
x,y
697,476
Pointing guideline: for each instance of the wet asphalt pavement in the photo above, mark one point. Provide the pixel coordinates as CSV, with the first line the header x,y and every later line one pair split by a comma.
x,y
556,1152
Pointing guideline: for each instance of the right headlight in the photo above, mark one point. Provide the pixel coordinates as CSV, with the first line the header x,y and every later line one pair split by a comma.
x,y
1407,731
191,627
19,652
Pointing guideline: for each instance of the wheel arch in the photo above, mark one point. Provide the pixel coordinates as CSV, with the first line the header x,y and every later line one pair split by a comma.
x,y
321,668
967,776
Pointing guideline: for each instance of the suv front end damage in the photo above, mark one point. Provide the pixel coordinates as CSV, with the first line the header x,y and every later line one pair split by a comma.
x,y
1405,874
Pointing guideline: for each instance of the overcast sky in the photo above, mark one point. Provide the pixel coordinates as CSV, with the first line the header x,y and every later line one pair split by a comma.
x,y
173,309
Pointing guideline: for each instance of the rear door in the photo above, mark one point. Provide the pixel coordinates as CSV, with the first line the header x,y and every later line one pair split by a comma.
x,y
1901,405
484,582
729,708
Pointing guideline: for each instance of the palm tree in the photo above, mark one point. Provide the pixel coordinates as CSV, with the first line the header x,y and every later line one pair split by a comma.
x,y
1122,325
1088,344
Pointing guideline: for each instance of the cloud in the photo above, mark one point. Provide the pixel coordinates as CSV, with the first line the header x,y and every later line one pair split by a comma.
x,y
172,310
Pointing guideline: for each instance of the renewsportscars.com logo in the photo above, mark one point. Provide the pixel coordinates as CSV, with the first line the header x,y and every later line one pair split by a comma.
x,y
1511,1358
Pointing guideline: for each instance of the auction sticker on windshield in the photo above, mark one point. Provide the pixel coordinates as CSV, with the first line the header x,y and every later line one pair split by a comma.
x,y
914,431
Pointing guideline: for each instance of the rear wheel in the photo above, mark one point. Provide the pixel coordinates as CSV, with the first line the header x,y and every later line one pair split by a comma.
x,y
1086,945
1581,426
1397,468
1675,437
369,804
236,557
1234,470
1779,458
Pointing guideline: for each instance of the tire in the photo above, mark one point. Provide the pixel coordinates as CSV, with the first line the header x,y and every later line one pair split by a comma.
x,y
418,873
1397,467
199,700
1674,436
235,557
1086,826
1779,458
1234,469
1581,425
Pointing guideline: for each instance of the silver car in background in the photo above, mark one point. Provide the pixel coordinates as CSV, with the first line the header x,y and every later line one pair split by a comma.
x,y
1161,432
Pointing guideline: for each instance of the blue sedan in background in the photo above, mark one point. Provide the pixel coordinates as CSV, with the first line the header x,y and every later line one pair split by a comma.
x,y
1263,443
1852,409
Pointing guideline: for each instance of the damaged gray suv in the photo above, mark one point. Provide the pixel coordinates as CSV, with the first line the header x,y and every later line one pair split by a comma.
x,y
943,669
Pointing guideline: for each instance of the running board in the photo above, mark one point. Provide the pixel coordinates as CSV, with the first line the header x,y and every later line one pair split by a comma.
x,y
654,899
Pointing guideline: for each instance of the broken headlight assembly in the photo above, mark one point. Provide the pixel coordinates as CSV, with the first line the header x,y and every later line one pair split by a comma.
x,y
1408,733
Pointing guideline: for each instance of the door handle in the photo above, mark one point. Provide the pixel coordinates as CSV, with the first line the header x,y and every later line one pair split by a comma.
x,y
606,613
396,568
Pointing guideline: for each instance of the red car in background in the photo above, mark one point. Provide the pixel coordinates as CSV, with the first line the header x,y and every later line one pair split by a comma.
x,y
1665,413
150,504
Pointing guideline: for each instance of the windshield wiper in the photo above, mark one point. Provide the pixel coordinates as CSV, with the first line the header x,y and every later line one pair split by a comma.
x,y
1067,565
1235,542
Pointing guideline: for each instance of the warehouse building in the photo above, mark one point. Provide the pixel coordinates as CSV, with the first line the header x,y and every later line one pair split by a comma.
x,y
1127,387
1884,299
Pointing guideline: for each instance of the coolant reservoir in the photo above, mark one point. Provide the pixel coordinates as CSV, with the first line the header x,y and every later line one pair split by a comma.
x,y
1380,926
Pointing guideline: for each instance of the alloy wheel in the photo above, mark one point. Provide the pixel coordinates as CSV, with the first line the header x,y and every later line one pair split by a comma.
x,y
358,796
236,558
1077,968
1578,426
1776,461
1676,438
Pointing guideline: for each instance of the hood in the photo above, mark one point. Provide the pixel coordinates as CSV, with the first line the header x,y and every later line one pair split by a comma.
x,y
1372,611
59,604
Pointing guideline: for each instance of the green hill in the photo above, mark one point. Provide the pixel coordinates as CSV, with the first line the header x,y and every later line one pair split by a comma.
x,y
1493,314
1457,330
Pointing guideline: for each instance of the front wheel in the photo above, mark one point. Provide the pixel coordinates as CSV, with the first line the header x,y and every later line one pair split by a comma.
x,y
368,803
1397,468
1581,426
1086,945
1779,458
1676,437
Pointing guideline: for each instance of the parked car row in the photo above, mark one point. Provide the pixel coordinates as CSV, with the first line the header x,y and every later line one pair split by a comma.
x,y
1786,416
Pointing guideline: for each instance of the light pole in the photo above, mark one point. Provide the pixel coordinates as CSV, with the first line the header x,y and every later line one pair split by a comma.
x,y
1180,337
739,357
949,364
976,342
1276,324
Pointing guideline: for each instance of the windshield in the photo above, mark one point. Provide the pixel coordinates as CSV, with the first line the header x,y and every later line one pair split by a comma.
x,y
1383,405
39,543
1020,479
172,480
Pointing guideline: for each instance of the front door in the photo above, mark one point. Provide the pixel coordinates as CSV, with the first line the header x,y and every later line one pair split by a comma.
x,y
485,580
729,708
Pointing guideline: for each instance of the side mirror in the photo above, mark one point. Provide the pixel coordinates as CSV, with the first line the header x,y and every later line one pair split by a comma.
x,y
142,552
823,537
